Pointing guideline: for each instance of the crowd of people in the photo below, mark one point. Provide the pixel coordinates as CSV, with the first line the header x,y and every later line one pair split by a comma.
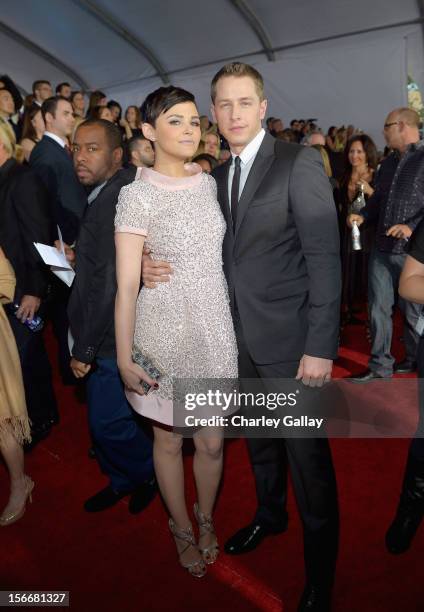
x,y
163,195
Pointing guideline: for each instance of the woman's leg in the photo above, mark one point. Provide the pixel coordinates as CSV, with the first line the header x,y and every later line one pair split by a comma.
x,y
207,467
169,468
13,455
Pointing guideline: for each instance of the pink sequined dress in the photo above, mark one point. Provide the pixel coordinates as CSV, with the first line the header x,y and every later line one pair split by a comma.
x,y
184,327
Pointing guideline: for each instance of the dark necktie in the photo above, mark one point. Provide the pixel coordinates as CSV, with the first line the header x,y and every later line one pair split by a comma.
x,y
235,186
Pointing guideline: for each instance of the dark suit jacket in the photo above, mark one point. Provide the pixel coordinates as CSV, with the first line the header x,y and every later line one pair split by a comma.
x,y
67,197
92,302
24,219
282,264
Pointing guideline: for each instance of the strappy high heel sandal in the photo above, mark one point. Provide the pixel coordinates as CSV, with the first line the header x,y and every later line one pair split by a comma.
x,y
195,568
209,553
8,518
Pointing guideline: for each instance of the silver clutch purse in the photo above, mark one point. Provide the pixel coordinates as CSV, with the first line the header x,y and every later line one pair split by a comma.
x,y
150,369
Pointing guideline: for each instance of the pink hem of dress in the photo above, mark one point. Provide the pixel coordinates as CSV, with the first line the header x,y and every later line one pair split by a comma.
x,y
152,406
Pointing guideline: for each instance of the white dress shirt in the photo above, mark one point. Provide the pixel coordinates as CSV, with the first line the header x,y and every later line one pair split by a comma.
x,y
56,138
247,157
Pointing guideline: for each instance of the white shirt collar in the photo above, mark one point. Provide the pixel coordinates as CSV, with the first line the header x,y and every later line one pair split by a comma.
x,y
56,138
251,149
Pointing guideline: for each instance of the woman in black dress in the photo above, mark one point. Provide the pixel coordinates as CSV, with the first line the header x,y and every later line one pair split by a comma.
x,y
361,163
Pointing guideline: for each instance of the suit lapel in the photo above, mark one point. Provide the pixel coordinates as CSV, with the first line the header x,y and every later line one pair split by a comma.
x,y
260,167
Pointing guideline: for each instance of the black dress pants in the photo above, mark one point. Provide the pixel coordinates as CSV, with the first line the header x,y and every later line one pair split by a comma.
x,y
416,448
313,477
37,375
57,312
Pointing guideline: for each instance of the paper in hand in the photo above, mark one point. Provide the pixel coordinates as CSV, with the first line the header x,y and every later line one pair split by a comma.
x,y
57,261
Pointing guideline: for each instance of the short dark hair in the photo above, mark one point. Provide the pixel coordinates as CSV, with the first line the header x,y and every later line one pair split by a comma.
x,y
132,142
206,157
239,69
95,112
59,87
112,131
10,85
36,84
161,100
113,103
75,93
50,105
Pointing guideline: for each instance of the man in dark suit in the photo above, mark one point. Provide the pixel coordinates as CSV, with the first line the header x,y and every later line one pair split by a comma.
x,y
51,160
281,259
123,450
24,219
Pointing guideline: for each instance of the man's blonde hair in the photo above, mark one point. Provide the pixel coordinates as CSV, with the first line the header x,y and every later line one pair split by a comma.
x,y
238,69
7,137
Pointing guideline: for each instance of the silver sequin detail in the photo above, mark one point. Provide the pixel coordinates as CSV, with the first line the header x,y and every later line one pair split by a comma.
x,y
183,326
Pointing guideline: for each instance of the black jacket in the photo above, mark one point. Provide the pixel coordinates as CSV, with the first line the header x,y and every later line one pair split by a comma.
x,y
282,263
24,219
67,197
92,302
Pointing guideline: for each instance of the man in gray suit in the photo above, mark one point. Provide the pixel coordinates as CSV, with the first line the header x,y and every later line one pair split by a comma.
x,y
281,259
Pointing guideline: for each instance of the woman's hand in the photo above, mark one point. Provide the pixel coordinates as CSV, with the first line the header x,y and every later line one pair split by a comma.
x,y
368,190
132,376
358,219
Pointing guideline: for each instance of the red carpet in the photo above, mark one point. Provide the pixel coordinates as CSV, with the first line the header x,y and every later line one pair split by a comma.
x,y
115,561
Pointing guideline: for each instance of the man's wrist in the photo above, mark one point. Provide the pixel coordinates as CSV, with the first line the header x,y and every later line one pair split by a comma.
x,y
85,355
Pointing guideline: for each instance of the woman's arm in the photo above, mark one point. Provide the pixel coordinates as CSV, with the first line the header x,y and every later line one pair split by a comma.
x,y
411,284
128,131
129,248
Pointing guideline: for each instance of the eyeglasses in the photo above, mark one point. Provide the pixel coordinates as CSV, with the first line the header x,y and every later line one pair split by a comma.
x,y
387,125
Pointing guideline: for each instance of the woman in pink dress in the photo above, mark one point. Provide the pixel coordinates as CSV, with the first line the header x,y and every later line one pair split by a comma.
x,y
182,328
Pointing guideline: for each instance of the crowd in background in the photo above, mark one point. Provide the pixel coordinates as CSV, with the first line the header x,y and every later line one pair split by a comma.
x,y
350,158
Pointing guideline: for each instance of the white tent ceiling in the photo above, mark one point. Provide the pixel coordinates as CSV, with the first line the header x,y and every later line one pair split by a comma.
x,y
342,61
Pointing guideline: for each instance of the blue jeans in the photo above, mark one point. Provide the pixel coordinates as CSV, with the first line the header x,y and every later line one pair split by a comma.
x,y
123,450
383,283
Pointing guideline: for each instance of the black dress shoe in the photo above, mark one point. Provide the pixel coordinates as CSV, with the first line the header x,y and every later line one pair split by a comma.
x,y
401,532
104,499
365,377
248,538
142,496
315,599
405,367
